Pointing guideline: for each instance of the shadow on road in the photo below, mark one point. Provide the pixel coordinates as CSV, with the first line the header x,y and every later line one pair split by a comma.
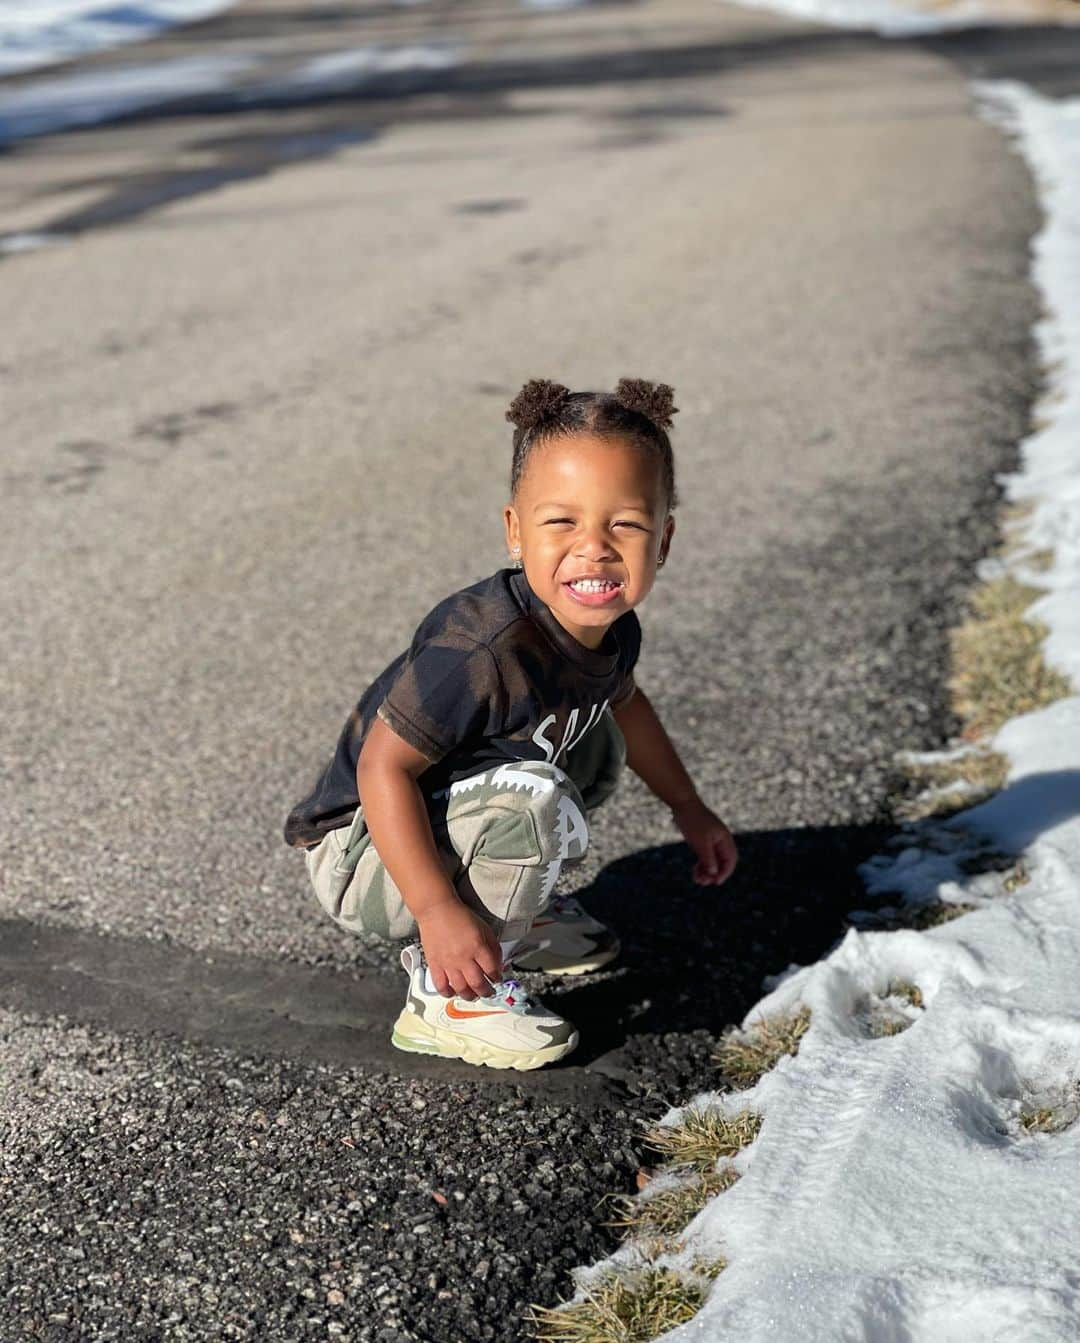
x,y
268,123
693,961
271,125
694,957
1046,57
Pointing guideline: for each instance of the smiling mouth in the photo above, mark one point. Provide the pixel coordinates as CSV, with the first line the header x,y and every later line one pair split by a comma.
x,y
594,592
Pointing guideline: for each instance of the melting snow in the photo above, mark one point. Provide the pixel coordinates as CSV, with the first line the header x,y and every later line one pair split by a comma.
x,y
41,32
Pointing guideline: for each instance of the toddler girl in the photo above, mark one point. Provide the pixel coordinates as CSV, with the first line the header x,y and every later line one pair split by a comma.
x,y
462,779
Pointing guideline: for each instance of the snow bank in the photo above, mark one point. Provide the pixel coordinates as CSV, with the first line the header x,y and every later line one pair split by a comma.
x,y
880,16
86,98
41,32
89,97
929,16
894,1194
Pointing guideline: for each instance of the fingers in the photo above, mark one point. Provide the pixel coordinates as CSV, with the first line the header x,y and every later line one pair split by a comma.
x,y
720,873
714,869
489,963
470,968
478,982
469,982
460,985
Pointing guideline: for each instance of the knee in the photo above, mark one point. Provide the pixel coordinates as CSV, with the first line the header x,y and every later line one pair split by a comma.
x,y
549,796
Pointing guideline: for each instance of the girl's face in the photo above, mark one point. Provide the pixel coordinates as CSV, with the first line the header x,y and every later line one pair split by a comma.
x,y
589,507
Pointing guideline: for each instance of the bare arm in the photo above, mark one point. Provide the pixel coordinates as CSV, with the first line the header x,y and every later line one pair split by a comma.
x,y
650,753
652,756
462,951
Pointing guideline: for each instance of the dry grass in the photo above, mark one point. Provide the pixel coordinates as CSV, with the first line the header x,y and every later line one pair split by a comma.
x,y
944,787
999,670
918,917
617,1308
1019,876
903,988
745,1056
880,1025
882,1019
704,1137
1038,1119
669,1210
938,912
1016,514
1051,1116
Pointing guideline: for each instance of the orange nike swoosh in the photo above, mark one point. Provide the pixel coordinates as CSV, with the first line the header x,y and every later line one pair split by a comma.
x,y
458,1015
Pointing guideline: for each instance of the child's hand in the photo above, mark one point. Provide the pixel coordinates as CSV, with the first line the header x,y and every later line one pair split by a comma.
x,y
462,952
710,839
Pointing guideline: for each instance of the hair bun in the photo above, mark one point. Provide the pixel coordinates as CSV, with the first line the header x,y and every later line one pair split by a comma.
x,y
539,400
654,400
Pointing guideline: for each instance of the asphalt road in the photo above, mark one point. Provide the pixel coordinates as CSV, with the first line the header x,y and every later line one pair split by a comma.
x,y
253,430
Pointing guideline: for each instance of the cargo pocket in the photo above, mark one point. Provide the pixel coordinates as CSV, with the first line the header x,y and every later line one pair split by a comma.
x,y
354,841
510,837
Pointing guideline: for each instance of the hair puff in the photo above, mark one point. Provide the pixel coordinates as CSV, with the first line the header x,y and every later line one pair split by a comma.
x,y
539,400
654,400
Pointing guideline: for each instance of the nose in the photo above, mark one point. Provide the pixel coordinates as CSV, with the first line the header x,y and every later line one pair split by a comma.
x,y
595,543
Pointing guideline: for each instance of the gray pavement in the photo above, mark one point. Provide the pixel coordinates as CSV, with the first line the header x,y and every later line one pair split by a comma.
x,y
254,430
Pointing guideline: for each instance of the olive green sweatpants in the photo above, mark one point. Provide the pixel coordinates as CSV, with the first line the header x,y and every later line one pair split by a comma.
x,y
503,836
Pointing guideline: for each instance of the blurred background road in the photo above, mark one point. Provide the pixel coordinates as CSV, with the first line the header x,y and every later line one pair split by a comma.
x,y
259,335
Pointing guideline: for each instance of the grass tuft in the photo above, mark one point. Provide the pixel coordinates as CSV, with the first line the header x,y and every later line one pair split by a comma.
x,y
919,917
1017,513
1049,1114
903,988
625,1308
937,912
999,669
709,1268
1019,876
944,787
745,1056
704,1137
882,1019
669,1210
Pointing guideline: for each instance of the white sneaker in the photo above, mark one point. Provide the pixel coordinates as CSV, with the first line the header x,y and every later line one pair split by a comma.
x,y
507,1030
565,940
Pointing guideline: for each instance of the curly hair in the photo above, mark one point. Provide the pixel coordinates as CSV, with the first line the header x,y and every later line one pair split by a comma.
x,y
637,412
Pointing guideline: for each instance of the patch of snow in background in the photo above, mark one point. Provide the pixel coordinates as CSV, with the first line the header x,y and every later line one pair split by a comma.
x,y
341,71
84,99
554,4
880,16
42,32
11,244
1049,133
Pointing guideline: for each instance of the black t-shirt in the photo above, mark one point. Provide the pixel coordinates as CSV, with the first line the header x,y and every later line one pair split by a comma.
x,y
490,676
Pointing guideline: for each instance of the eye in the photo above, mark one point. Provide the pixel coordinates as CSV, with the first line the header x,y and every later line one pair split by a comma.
x,y
636,525
549,521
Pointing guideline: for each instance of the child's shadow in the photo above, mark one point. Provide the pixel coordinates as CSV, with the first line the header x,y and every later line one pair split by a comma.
x,y
694,957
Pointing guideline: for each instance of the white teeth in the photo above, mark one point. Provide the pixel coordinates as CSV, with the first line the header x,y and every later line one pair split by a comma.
x,y
594,584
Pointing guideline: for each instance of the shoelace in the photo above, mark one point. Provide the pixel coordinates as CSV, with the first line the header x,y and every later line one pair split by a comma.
x,y
511,995
508,992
